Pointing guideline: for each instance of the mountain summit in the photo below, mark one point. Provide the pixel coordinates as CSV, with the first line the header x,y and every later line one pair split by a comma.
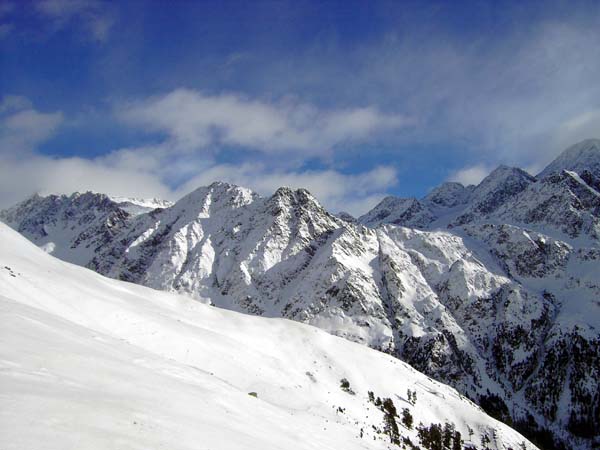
x,y
583,156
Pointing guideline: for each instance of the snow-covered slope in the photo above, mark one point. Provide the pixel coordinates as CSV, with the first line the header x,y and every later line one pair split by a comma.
x,y
89,362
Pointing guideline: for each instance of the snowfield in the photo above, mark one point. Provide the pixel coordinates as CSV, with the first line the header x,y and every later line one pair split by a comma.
x,y
90,362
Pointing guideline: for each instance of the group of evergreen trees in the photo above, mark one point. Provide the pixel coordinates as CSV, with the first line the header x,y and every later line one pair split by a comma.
x,y
436,437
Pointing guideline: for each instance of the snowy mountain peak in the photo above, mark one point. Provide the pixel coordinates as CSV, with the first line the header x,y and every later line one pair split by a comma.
x,y
448,195
287,198
584,155
503,180
504,172
577,183
37,208
494,190
565,201
398,211
218,195
70,227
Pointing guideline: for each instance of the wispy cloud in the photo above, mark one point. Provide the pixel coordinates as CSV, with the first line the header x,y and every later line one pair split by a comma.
x,y
6,7
6,27
161,170
502,97
92,15
22,128
580,126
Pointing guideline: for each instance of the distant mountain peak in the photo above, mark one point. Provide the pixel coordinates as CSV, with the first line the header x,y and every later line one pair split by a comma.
x,y
584,155
400,211
504,171
448,194
216,196
286,198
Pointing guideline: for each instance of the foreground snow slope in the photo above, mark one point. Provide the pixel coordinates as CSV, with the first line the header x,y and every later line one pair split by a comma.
x,y
90,362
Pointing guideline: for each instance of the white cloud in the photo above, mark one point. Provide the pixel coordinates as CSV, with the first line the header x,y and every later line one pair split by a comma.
x,y
133,174
160,170
500,96
517,100
92,15
193,120
23,171
22,127
20,178
470,175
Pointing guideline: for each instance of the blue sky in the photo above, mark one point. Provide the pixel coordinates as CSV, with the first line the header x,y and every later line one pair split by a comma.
x,y
353,100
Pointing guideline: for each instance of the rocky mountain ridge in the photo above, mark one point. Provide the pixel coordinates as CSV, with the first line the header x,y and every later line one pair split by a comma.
x,y
511,195
491,288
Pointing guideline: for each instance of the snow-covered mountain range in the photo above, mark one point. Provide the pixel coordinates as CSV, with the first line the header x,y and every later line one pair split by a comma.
x,y
89,362
492,288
